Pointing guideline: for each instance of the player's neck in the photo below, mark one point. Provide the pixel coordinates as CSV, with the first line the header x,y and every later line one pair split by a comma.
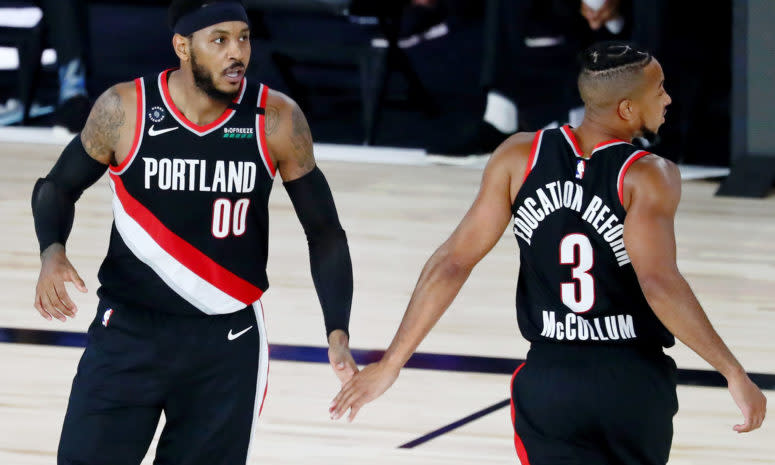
x,y
594,131
194,103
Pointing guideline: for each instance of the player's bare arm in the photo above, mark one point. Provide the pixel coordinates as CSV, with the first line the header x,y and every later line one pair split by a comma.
x,y
55,195
289,137
111,123
290,145
445,273
652,190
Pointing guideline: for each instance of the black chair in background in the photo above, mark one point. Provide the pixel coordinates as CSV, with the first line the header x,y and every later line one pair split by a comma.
x,y
29,43
376,65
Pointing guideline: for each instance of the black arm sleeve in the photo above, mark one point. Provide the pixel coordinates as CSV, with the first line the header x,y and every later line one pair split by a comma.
x,y
329,254
54,197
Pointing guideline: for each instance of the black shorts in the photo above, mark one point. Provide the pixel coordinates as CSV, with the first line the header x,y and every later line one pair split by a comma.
x,y
587,405
208,374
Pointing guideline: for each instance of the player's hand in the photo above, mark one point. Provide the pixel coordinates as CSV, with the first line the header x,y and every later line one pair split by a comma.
x,y
364,387
51,298
750,400
340,357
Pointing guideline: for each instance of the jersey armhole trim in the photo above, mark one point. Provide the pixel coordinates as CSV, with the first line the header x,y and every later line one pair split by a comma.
x,y
139,128
531,162
263,148
637,155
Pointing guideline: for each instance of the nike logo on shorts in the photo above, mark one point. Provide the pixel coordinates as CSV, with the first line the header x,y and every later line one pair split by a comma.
x,y
153,132
231,336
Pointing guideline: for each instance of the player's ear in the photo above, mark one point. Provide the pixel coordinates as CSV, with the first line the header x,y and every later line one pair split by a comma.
x,y
182,46
626,109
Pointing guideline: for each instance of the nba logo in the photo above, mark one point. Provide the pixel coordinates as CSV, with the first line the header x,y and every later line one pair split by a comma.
x,y
580,169
106,317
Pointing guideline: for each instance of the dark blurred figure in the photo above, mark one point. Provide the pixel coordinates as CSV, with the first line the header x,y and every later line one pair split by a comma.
x,y
531,47
65,22
65,29
428,19
530,66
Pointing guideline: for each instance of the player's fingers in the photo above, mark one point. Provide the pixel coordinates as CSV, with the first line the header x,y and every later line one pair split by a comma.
x,y
744,427
337,399
351,368
759,421
343,374
67,305
49,306
339,395
345,370
345,404
39,307
340,407
55,306
354,411
76,279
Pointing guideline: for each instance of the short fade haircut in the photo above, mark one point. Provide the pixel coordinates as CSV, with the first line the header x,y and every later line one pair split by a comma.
x,y
180,8
610,70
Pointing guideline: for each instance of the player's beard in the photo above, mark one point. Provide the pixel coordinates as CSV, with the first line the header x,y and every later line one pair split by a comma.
x,y
649,135
206,84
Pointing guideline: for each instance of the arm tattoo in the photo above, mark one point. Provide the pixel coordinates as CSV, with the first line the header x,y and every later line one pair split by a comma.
x,y
272,120
102,130
301,139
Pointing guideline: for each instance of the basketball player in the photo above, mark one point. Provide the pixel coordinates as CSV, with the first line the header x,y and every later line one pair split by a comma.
x,y
599,293
191,153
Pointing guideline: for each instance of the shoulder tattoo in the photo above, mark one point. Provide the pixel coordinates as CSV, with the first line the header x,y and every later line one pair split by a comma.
x,y
271,121
301,138
102,131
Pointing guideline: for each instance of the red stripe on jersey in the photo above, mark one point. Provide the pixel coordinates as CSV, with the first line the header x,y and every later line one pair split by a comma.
x,y
572,138
261,133
189,256
138,127
533,153
633,158
168,99
518,445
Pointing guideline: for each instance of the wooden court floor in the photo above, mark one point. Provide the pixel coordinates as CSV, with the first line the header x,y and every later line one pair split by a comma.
x,y
395,216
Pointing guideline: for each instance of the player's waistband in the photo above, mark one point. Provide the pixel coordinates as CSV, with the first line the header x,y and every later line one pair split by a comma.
x,y
152,308
554,351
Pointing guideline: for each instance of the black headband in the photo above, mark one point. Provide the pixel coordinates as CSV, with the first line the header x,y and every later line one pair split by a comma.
x,y
208,15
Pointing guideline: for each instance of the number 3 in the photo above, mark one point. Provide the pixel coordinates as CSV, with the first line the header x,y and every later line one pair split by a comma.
x,y
582,300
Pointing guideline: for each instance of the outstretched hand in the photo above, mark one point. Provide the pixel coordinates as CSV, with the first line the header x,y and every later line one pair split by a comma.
x,y
364,387
51,298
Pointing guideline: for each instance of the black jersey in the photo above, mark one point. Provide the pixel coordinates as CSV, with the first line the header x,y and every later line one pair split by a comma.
x,y
190,207
576,282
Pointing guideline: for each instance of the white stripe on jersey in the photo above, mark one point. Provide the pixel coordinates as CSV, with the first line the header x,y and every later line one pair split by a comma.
x,y
263,372
195,290
622,170
538,150
570,142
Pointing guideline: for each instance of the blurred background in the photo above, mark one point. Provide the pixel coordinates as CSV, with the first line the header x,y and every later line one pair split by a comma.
x,y
452,77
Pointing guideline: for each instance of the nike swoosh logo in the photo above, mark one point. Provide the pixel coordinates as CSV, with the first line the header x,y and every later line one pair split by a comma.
x,y
153,132
233,336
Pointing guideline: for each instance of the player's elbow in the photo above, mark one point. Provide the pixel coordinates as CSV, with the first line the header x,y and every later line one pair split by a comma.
x,y
453,264
659,284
